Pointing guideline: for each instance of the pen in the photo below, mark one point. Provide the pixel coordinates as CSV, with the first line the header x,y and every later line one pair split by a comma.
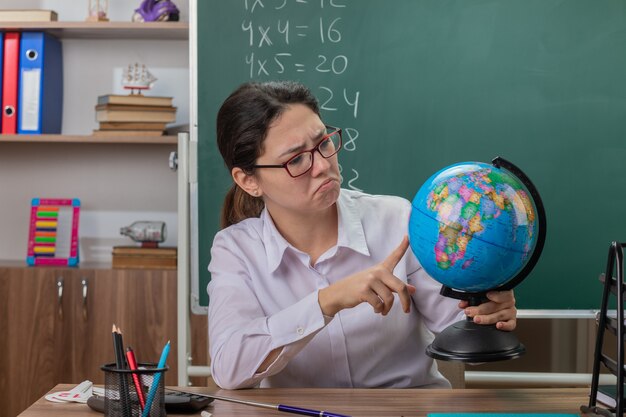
x,y
156,379
279,407
132,364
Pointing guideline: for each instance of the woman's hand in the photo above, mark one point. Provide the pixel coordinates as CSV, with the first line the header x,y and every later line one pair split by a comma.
x,y
500,309
374,285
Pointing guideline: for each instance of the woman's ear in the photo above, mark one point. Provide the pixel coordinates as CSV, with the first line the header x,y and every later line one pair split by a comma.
x,y
246,182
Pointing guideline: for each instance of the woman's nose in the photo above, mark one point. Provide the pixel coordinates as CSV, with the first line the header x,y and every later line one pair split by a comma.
x,y
320,164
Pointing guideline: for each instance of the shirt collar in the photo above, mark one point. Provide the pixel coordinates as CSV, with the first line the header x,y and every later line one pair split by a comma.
x,y
275,243
350,233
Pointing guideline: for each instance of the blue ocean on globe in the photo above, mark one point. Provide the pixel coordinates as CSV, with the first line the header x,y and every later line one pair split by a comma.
x,y
473,226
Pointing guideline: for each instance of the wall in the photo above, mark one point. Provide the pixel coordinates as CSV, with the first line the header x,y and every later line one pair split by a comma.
x,y
117,184
552,346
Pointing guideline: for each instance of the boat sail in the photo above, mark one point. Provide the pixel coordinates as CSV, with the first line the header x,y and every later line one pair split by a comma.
x,y
137,77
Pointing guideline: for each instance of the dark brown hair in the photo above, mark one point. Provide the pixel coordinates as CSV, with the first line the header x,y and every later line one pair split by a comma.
x,y
242,125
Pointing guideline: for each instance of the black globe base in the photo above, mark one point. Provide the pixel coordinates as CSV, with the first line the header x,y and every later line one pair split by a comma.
x,y
466,341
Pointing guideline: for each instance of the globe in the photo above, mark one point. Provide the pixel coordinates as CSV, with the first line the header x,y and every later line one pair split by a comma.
x,y
474,226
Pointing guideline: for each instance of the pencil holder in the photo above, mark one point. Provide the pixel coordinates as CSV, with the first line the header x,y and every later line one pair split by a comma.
x,y
127,391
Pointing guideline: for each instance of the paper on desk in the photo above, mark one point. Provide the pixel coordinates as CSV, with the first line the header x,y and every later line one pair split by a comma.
x,y
79,393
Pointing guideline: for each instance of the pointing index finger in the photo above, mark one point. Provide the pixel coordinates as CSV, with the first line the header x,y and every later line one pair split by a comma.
x,y
397,254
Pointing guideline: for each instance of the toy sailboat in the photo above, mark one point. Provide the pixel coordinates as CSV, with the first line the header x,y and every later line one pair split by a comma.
x,y
137,77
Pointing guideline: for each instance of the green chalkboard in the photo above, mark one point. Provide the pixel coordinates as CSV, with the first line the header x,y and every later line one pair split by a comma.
x,y
421,84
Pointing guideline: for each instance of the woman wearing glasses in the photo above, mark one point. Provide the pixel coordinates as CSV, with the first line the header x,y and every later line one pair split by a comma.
x,y
312,285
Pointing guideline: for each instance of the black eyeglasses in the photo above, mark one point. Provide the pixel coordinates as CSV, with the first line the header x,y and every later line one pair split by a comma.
x,y
302,162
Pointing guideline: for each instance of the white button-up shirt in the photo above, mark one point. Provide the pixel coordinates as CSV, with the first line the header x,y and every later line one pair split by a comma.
x,y
264,295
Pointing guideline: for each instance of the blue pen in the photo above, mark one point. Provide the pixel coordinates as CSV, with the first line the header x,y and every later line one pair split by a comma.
x,y
279,407
156,379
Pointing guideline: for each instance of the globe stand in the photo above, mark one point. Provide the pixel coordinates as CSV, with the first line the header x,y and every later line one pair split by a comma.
x,y
466,341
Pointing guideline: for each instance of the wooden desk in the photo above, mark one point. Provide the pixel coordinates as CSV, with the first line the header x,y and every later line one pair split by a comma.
x,y
364,402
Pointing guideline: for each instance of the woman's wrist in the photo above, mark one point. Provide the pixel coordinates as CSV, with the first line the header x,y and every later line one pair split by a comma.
x,y
324,298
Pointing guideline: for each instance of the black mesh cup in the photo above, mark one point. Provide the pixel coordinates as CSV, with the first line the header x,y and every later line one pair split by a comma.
x,y
121,397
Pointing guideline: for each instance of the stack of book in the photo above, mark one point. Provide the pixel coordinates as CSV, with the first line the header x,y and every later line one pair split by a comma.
x,y
29,15
135,257
133,115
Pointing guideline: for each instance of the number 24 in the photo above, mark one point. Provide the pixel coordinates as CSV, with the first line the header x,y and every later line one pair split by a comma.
x,y
326,105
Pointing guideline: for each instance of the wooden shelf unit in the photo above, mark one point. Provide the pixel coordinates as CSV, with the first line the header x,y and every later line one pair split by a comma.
x,y
105,30
56,325
144,140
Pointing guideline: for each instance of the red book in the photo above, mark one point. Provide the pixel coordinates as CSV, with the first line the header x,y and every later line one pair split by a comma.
x,y
10,82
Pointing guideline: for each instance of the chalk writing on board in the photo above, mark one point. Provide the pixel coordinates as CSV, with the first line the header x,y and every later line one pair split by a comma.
x,y
332,34
337,65
250,5
283,62
261,35
351,134
273,50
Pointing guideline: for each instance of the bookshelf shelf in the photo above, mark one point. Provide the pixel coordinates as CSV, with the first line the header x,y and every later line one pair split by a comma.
x,y
84,139
105,30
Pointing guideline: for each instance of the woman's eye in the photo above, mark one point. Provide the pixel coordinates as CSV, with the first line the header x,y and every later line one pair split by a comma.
x,y
325,143
296,161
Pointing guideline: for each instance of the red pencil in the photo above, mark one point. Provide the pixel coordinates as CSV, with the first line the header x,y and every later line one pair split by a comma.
x,y
132,363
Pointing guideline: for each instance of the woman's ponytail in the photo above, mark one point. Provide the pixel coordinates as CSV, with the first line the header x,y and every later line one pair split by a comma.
x,y
239,205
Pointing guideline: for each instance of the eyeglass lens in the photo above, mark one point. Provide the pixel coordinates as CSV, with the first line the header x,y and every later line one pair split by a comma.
x,y
301,163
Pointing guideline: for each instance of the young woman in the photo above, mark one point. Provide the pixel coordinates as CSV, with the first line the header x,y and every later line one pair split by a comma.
x,y
312,285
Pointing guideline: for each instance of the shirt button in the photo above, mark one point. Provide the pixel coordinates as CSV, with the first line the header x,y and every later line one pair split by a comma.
x,y
300,331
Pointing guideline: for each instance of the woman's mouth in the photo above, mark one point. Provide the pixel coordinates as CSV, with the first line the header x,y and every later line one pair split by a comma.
x,y
329,183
